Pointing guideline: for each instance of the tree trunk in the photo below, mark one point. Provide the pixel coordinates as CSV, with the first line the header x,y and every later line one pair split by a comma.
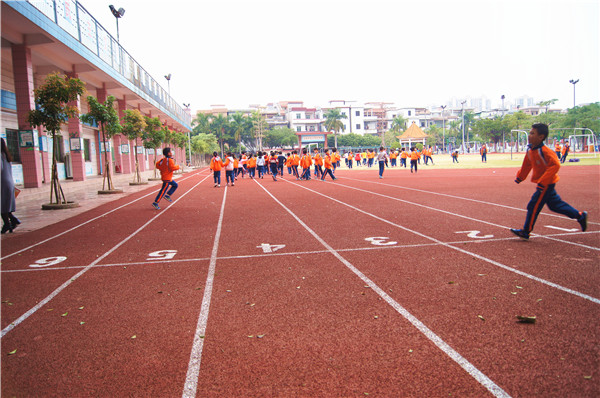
x,y
137,178
107,178
55,188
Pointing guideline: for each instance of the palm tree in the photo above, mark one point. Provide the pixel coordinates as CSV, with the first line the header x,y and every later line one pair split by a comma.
x,y
238,126
399,123
201,123
218,126
333,122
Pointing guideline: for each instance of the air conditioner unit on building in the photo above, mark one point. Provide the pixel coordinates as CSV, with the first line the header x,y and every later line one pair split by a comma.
x,y
68,166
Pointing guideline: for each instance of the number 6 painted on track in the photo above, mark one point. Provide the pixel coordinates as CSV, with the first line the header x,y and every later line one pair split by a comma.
x,y
380,241
162,255
48,261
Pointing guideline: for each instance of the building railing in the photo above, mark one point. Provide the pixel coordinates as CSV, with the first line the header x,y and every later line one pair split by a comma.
x,y
74,19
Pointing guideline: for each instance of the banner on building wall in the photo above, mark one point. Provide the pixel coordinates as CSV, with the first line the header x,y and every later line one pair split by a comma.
x,y
150,151
43,143
75,144
28,139
140,150
105,146
124,148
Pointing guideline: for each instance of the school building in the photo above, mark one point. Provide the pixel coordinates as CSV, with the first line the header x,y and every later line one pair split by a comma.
x,y
40,37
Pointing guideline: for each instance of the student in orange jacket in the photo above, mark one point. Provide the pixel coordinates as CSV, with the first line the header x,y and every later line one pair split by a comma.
x,y
229,165
414,159
403,156
328,166
557,149
545,165
318,160
166,166
295,162
305,162
483,152
335,159
251,163
216,164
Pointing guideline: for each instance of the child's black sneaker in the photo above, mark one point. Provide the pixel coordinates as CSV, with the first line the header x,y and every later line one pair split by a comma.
x,y
583,221
155,205
520,233
167,198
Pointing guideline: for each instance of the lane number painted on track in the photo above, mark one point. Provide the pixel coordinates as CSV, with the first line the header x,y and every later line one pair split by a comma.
x,y
474,234
162,255
381,241
48,261
562,229
268,248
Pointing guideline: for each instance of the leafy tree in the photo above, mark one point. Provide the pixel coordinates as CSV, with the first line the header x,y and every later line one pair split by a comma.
x,y
133,128
280,137
52,98
333,122
201,124
491,130
205,143
547,103
238,127
108,120
587,116
435,136
153,135
219,125
398,124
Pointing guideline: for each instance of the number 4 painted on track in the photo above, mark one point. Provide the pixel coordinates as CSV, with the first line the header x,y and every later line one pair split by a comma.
x,y
268,248
474,234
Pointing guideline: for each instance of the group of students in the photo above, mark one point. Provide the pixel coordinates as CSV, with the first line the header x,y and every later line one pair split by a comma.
x,y
273,163
540,159
562,151
367,157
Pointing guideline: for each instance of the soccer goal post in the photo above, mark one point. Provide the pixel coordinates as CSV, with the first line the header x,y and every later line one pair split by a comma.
x,y
582,141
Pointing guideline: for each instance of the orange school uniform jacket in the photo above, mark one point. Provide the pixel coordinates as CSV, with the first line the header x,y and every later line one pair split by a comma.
x,y
318,160
545,165
415,155
306,161
166,166
328,164
295,160
216,164
252,163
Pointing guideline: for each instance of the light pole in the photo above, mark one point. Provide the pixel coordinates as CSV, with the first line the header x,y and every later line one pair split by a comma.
x,y
443,129
573,82
462,107
502,98
118,14
187,108
168,77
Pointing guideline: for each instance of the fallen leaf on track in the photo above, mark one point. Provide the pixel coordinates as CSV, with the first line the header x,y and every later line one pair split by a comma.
x,y
65,314
12,352
481,317
134,337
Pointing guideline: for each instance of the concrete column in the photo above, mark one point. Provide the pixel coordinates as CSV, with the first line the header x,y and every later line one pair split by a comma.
x,y
124,159
23,78
74,126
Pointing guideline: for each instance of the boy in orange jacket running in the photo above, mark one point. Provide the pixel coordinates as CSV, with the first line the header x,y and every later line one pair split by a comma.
x,y
545,165
166,166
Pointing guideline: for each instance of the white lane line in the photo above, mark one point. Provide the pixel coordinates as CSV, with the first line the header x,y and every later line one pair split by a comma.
x,y
87,222
87,268
191,379
260,255
506,267
458,197
461,216
481,378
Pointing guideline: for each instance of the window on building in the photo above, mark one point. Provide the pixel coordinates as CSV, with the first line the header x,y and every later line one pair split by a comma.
x,y
422,124
344,113
12,142
86,150
312,128
298,128
357,113
357,126
298,116
409,113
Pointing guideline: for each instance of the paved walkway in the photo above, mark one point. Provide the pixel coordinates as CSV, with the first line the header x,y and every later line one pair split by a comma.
x,y
29,203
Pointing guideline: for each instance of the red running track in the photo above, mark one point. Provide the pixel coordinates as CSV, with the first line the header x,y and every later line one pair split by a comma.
x,y
406,286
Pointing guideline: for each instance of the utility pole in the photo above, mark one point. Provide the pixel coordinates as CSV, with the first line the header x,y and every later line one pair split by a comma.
x,y
462,107
443,129
573,82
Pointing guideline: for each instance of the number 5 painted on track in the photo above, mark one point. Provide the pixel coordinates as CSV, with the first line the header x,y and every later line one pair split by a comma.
x,y
474,234
48,261
162,255
380,241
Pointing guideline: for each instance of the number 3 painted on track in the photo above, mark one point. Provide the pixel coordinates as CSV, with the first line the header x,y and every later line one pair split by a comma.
x,y
380,241
48,261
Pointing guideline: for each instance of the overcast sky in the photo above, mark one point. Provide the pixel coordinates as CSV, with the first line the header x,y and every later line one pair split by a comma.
x,y
411,53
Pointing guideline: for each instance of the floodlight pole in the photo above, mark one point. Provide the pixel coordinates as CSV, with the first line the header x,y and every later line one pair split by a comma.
x,y
443,129
573,82
462,107
118,14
